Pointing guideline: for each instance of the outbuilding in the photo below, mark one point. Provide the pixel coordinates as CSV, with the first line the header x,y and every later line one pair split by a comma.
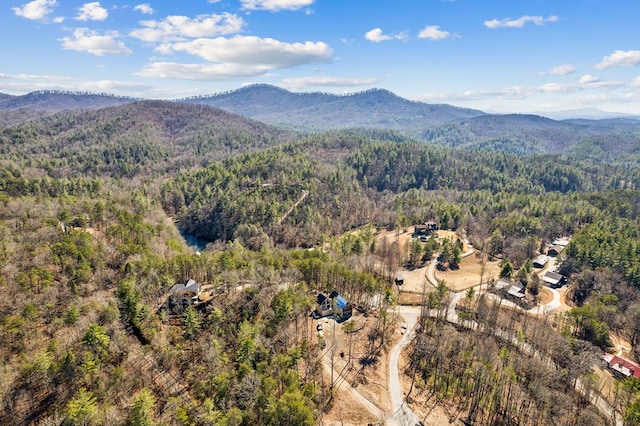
x,y
540,261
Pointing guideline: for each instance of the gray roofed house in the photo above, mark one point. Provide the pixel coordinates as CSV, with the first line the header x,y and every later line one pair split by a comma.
x,y
554,280
516,290
183,295
501,284
540,261
177,288
564,241
193,287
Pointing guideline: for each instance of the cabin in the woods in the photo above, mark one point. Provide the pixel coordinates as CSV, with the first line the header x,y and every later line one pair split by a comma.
x,y
621,368
183,295
323,306
554,280
508,288
425,228
333,305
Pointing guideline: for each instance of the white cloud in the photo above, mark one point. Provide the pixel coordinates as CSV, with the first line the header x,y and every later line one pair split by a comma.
x,y
203,72
524,92
178,27
144,8
58,19
433,32
111,86
326,81
586,82
620,58
520,22
560,70
251,50
92,12
275,5
375,35
588,78
236,57
36,9
636,82
85,40
32,77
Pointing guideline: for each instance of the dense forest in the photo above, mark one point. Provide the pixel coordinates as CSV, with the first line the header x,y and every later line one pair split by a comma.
x,y
91,205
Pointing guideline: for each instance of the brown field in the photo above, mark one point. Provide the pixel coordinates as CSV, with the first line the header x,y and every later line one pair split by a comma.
x,y
545,296
469,274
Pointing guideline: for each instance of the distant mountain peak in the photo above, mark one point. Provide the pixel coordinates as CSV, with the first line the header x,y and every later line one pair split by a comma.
x,y
585,113
373,109
59,100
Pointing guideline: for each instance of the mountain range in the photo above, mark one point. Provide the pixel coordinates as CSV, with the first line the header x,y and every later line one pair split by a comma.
x,y
521,134
376,108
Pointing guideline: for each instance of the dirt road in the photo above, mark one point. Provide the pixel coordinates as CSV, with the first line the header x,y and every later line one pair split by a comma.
x,y
401,413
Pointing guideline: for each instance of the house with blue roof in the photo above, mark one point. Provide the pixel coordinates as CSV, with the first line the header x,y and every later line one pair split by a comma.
x,y
334,305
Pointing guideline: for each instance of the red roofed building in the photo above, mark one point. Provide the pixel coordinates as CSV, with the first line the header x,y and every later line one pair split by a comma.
x,y
621,367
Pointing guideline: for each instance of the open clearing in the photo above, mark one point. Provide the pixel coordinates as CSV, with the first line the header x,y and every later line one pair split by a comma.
x,y
469,273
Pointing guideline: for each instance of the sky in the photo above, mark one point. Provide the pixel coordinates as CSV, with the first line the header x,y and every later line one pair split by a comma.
x,y
494,55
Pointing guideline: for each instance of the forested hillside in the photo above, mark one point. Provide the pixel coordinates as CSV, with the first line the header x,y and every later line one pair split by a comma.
x,y
89,250
614,141
342,177
136,139
18,109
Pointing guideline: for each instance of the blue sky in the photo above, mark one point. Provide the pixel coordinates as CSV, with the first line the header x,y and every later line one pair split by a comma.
x,y
497,55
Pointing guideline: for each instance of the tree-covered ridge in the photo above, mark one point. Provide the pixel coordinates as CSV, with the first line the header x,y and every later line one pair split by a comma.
x,y
400,167
613,141
375,108
138,138
282,191
609,243
56,100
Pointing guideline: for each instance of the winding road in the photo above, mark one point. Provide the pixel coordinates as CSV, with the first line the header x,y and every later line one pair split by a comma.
x,y
401,414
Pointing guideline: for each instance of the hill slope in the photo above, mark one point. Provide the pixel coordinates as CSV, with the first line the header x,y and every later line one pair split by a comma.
x,y
524,134
140,137
18,109
375,108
